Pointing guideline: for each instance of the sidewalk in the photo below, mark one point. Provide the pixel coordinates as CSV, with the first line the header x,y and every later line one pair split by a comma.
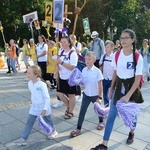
x,y
14,107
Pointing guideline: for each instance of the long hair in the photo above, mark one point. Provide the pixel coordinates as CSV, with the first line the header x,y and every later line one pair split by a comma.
x,y
132,36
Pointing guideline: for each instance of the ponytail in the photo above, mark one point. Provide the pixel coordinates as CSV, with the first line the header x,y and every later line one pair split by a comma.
x,y
134,58
48,86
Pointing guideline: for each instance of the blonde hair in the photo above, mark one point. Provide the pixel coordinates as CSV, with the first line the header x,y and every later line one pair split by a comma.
x,y
37,72
91,54
145,40
109,42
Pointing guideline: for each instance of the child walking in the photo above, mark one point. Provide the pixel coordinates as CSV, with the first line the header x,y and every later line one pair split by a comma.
x,y
125,82
107,69
93,78
40,104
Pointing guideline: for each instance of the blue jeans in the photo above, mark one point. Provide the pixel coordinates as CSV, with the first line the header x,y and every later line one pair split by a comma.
x,y
13,64
30,122
110,120
106,86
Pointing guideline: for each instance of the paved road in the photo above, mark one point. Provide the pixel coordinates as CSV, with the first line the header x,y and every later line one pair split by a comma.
x,y
14,107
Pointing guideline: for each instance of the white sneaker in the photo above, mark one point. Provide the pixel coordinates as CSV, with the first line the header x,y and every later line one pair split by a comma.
x,y
53,135
58,104
79,99
21,142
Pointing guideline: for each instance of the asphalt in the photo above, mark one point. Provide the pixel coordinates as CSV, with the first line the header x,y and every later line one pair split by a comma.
x,y
15,104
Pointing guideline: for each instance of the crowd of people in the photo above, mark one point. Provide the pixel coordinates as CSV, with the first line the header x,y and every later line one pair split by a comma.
x,y
100,68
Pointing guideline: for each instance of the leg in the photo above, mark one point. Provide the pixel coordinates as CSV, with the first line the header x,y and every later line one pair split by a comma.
x,y
30,122
26,61
63,98
72,102
8,65
13,64
105,90
43,69
85,103
48,120
110,122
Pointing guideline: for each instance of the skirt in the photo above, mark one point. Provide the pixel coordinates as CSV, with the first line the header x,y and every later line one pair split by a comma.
x,y
64,87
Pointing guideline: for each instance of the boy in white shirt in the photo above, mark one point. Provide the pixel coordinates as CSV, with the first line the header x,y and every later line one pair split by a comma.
x,y
93,78
107,69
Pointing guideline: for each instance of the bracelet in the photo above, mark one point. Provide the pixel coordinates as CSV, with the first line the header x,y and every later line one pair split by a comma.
x,y
99,97
62,62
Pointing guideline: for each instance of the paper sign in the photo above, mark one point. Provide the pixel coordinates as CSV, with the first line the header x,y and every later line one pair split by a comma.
x,y
86,26
48,12
58,11
30,17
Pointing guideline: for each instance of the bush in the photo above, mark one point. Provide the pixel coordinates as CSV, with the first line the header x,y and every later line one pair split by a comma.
x,y
2,49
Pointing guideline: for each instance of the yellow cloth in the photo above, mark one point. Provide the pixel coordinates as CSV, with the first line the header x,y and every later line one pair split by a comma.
x,y
145,49
33,52
26,49
51,67
1,63
83,48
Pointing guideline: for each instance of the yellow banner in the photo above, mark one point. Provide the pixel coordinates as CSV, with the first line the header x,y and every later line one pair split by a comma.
x,y
48,12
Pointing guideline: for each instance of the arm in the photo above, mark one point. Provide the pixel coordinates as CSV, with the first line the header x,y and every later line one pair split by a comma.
x,y
14,51
68,66
102,47
46,99
100,86
44,52
78,47
41,55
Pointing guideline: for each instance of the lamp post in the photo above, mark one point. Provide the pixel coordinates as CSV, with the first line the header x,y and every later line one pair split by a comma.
x,y
112,32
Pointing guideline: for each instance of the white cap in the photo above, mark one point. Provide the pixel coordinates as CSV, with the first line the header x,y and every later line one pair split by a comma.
x,y
32,40
94,34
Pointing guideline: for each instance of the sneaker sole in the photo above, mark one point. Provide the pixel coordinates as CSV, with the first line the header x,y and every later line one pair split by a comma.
x,y
50,138
21,144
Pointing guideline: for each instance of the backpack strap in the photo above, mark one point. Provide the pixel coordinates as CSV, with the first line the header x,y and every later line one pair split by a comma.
x,y
137,54
117,56
70,53
76,44
61,54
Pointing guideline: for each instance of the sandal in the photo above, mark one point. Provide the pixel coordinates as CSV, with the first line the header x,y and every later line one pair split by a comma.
x,y
67,111
75,133
69,115
100,126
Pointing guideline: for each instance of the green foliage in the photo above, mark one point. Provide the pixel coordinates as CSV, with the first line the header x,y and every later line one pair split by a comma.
x,y
134,14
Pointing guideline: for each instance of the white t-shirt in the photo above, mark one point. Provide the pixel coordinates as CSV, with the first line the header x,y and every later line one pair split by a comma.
x,y
40,48
108,70
125,68
91,77
64,72
40,98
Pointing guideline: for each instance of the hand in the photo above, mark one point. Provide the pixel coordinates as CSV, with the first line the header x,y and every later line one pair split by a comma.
x,y
47,63
125,98
49,54
43,113
99,100
58,61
